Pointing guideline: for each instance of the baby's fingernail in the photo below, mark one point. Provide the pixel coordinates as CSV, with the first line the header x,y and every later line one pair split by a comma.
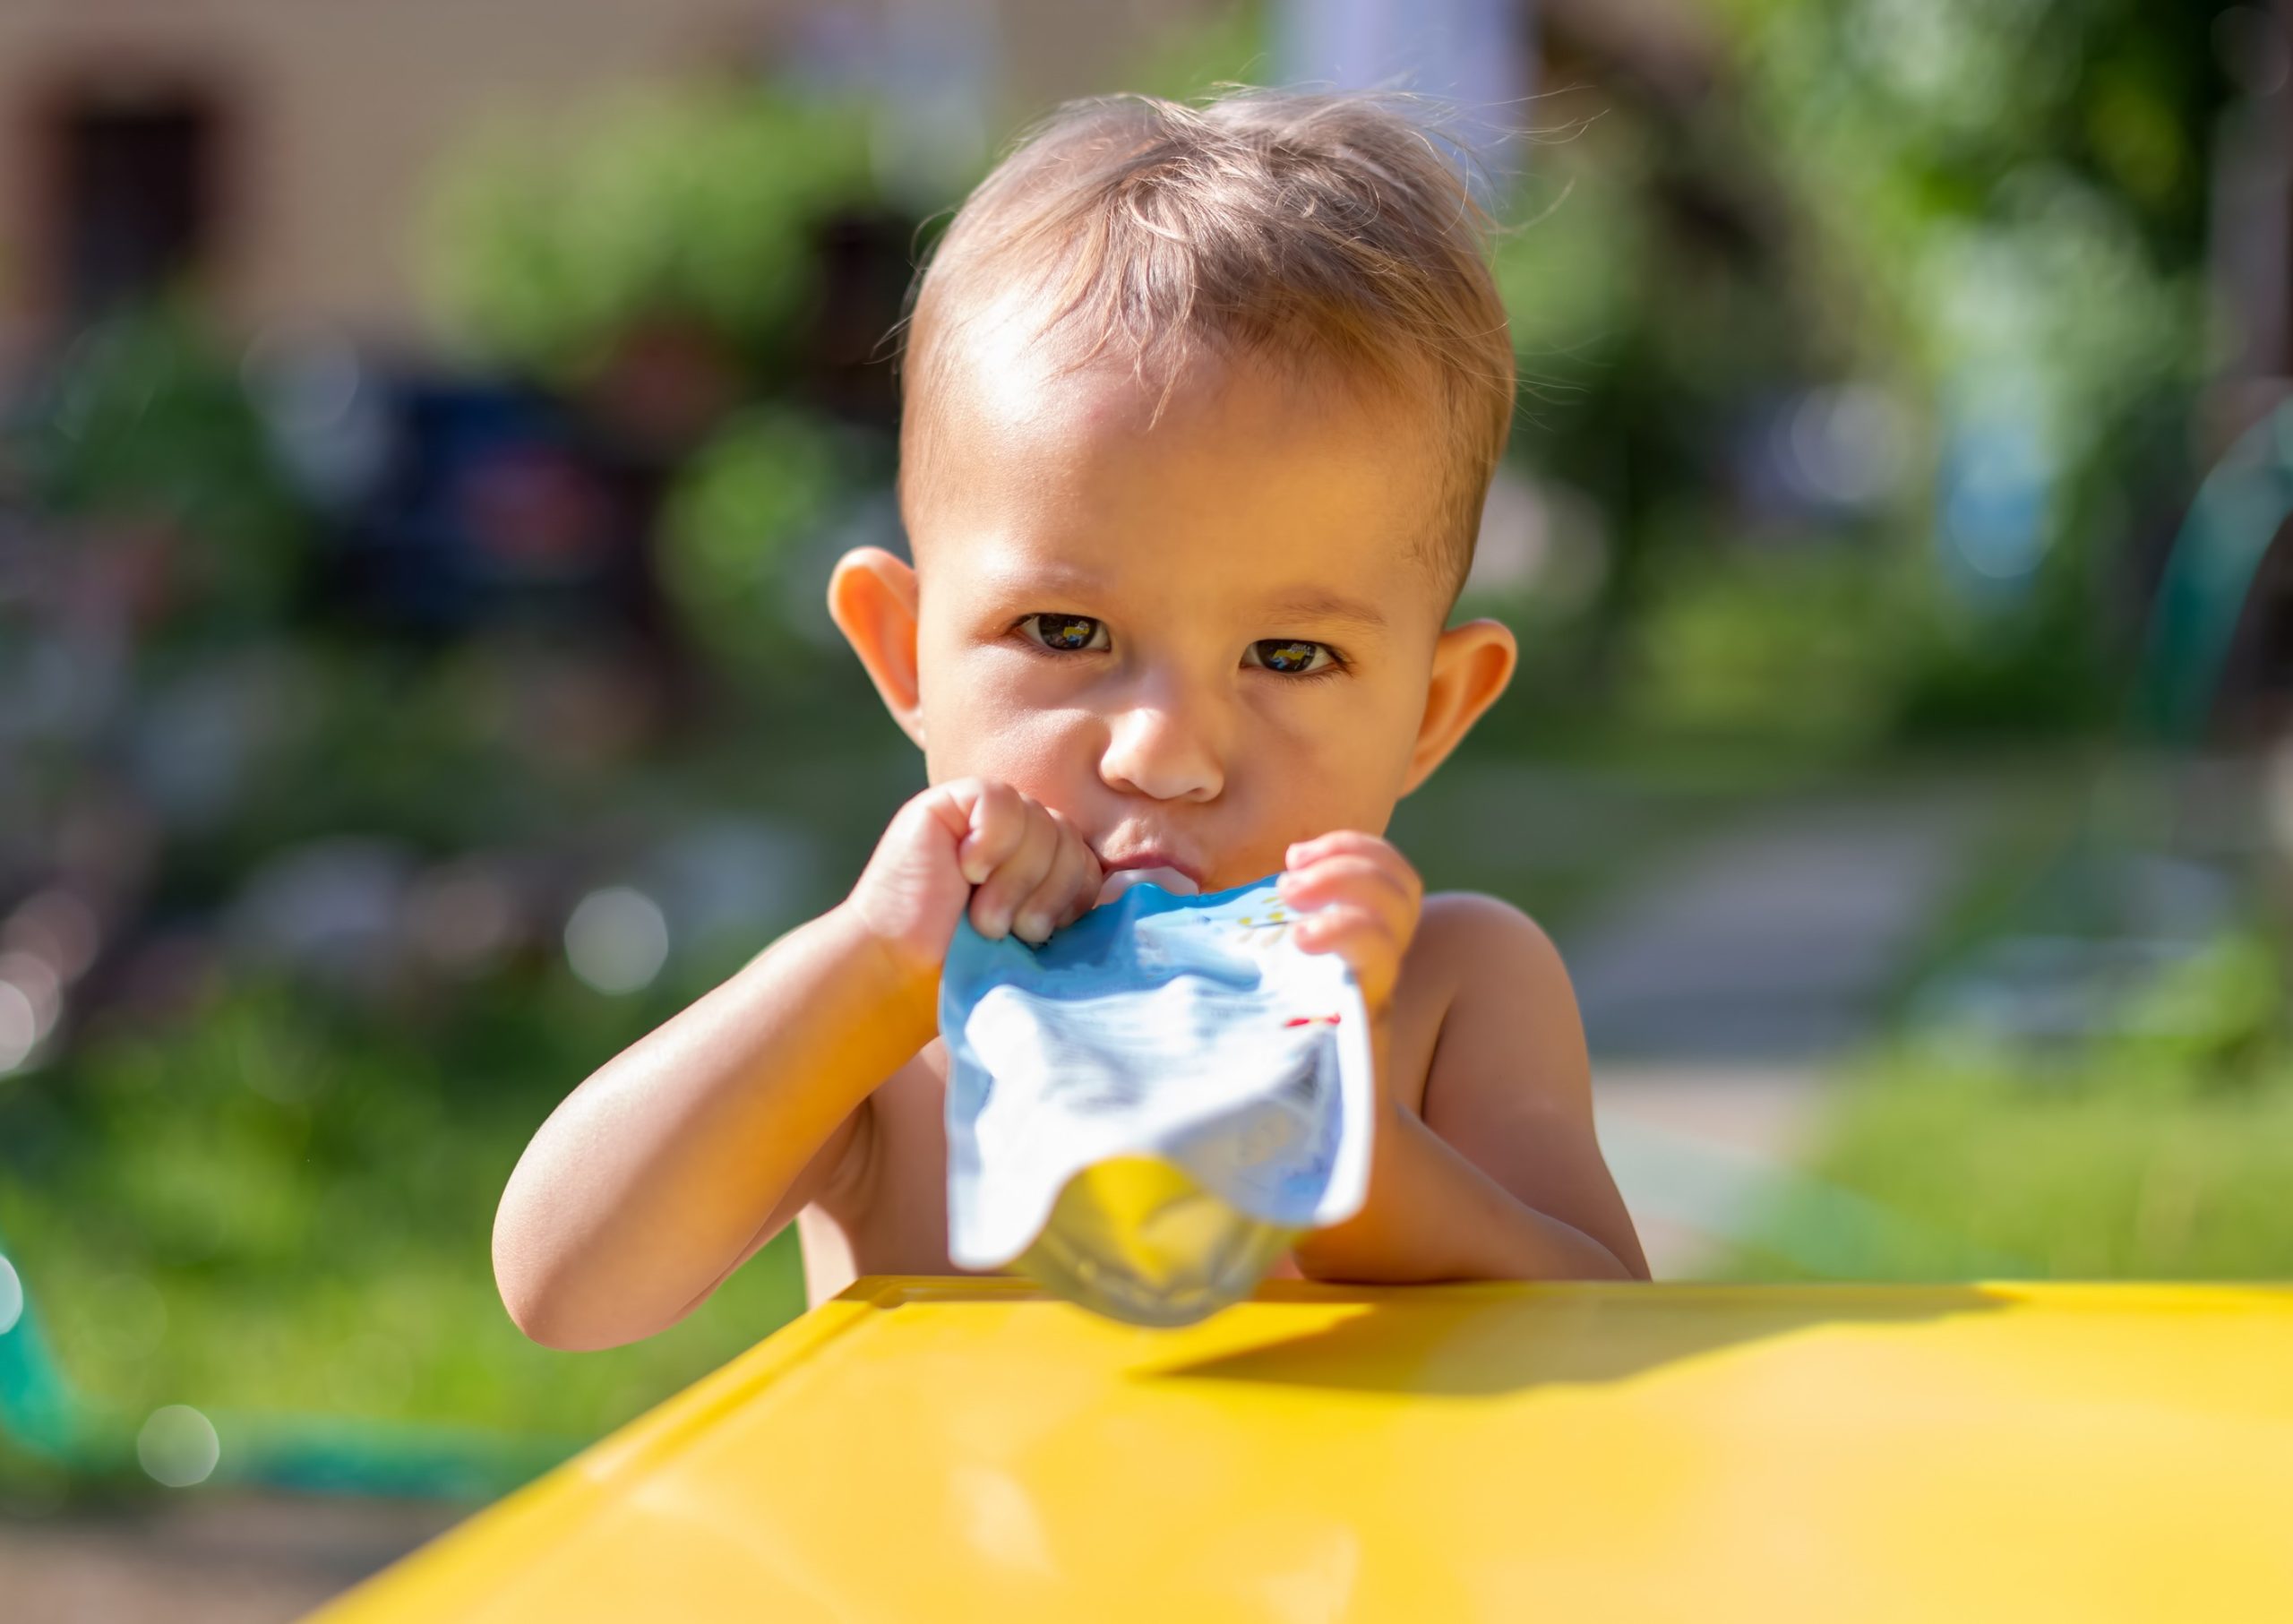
x,y
1031,926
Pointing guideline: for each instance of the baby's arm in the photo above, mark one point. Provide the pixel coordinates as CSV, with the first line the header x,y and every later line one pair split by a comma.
x,y
1510,1089
682,1155
1497,1175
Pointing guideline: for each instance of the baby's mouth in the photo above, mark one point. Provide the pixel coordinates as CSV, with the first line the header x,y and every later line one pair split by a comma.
x,y
1176,881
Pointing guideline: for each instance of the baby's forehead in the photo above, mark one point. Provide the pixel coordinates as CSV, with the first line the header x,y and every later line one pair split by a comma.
x,y
1006,372
1226,475
1026,437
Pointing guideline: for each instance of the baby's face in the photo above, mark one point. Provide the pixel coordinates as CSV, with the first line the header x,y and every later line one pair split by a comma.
x,y
1199,643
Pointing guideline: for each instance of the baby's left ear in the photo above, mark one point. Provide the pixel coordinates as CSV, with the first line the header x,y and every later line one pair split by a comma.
x,y
1471,664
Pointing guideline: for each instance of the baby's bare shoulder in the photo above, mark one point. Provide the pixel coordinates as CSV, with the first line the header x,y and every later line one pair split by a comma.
x,y
1492,984
1480,985
1467,941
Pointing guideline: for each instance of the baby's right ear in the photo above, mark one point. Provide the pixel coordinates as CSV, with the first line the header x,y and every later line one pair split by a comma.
x,y
872,599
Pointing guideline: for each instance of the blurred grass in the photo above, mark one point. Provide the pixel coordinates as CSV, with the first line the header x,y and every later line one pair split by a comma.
x,y
285,1206
2159,1144
2121,1167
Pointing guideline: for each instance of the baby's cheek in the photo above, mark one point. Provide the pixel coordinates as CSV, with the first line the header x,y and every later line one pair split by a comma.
x,y
1041,751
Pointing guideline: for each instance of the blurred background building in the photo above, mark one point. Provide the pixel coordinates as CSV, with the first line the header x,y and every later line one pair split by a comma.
x,y
276,152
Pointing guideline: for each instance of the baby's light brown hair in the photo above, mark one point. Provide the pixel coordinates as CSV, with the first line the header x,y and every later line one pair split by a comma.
x,y
1322,231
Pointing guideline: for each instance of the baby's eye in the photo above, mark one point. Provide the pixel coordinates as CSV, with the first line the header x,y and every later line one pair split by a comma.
x,y
1290,655
1067,633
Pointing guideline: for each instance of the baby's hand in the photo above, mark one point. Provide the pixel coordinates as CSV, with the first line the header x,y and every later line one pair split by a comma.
x,y
1018,865
1360,900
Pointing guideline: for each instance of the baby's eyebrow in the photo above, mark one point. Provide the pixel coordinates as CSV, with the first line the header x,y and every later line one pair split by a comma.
x,y
1047,576
1314,603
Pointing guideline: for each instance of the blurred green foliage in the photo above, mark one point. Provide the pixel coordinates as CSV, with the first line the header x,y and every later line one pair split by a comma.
x,y
1984,213
1226,44
748,499
2011,193
1793,646
547,239
151,445
2215,1022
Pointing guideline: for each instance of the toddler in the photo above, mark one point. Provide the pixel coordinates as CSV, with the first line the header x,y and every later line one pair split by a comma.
x,y
1201,403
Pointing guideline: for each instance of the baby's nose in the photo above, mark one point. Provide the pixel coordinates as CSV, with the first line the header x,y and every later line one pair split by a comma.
x,y
1157,751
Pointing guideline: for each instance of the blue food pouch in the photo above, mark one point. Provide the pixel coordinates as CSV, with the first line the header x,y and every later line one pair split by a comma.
x,y
1146,1111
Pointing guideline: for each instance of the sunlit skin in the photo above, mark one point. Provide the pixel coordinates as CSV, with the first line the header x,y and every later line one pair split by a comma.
x,y
1215,645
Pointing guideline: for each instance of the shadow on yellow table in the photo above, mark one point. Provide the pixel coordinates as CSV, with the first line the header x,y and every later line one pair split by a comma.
x,y
960,1448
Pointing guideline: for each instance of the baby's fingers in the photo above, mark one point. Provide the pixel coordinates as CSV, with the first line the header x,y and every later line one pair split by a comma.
x,y
996,903
1345,927
999,823
1066,892
1355,881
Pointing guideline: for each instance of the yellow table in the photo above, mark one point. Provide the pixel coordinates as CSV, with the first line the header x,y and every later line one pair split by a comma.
x,y
952,1449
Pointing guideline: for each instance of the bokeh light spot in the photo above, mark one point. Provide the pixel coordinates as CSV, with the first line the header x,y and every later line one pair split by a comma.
x,y
41,986
19,1027
60,928
617,939
178,1446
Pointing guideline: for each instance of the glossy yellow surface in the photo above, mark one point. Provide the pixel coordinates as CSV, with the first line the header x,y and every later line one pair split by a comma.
x,y
958,1449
